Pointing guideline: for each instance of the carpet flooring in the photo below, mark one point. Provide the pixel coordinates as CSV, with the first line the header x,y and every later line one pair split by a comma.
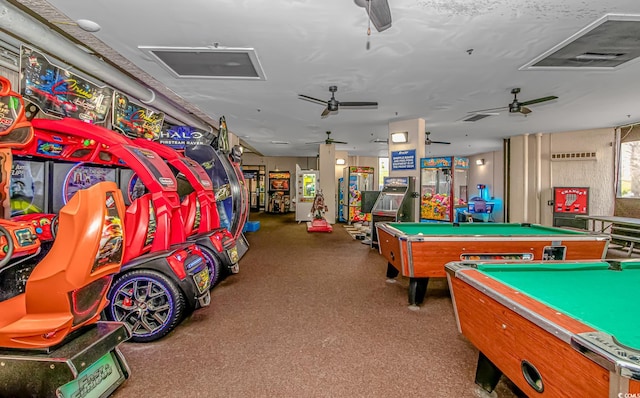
x,y
310,315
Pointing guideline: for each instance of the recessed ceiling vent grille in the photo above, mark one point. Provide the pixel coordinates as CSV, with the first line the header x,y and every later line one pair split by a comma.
x,y
208,62
606,43
573,156
477,116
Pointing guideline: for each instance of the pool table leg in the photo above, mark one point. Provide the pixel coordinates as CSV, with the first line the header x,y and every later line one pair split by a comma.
x,y
417,291
392,272
487,374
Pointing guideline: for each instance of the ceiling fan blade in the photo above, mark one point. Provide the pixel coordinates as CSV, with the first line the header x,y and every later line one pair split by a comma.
x,y
338,142
358,104
488,110
381,140
311,99
538,100
524,110
440,142
379,13
325,113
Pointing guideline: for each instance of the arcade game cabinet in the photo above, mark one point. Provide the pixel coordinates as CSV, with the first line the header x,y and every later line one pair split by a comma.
x,y
51,339
443,187
395,204
356,180
279,192
163,276
199,210
232,195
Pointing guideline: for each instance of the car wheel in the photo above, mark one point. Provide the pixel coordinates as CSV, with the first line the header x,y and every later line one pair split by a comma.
x,y
147,302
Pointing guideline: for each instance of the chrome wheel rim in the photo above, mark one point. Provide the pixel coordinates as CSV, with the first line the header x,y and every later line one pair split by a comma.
x,y
143,305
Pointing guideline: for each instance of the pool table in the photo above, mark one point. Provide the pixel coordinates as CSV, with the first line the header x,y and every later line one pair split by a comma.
x,y
555,329
420,250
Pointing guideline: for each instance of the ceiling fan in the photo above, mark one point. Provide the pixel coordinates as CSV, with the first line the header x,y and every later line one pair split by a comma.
x,y
333,104
328,141
379,13
519,107
428,141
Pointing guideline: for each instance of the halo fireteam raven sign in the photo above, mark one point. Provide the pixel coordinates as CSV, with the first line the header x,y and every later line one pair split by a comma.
x,y
56,91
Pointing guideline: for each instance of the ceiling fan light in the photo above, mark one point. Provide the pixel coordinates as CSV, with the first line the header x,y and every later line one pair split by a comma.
x,y
400,137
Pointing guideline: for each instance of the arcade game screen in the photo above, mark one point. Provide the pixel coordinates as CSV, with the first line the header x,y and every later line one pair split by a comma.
x,y
27,193
68,178
131,186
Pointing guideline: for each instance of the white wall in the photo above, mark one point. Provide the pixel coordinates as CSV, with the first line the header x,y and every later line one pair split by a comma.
x,y
533,175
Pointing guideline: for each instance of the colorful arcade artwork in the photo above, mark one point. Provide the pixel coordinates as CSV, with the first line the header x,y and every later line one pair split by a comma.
x,y
59,92
111,241
134,120
82,177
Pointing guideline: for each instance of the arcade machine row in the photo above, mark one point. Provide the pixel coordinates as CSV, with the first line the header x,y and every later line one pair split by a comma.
x,y
52,342
201,217
443,188
163,276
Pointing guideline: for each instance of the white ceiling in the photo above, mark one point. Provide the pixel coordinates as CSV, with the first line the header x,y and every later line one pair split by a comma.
x,y
419,68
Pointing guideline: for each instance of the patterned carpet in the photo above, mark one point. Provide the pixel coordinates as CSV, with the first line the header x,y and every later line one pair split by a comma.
x,y
310,315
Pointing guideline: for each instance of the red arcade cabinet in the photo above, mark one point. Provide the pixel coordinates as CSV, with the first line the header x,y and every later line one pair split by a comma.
x,y
199,210
51,339
163,276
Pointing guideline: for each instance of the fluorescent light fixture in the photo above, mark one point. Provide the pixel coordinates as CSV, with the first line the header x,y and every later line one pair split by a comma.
x,y
399,137
480,162
340,161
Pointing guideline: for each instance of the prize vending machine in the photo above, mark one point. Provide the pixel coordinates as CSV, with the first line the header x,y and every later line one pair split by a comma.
x,y
279,192
443,188
306,187
356,180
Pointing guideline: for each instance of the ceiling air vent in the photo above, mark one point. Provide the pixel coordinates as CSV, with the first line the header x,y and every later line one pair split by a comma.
x,y
573,156
606,43
208,62
477,116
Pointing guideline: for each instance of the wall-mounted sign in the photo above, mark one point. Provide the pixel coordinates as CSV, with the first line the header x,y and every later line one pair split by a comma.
x,y
58,92
134,120
403,160
574,200
180,136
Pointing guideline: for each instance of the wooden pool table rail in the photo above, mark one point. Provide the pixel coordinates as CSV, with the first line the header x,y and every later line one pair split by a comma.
x,y
509,327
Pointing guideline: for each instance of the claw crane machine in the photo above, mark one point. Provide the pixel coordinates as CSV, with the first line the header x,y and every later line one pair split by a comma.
x,y
356,179
307,182
443,188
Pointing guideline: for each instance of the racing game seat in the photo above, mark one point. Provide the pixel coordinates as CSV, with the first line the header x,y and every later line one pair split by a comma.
x,y
67,289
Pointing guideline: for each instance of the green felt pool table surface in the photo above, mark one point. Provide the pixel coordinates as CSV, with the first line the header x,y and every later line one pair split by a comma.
x,y
483,229
590,292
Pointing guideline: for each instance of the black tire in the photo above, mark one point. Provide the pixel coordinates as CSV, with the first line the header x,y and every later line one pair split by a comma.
x,y
213,263
157,310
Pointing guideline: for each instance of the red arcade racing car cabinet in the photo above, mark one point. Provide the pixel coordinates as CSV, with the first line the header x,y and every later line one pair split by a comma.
x,y
51,339
163,277
201,219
